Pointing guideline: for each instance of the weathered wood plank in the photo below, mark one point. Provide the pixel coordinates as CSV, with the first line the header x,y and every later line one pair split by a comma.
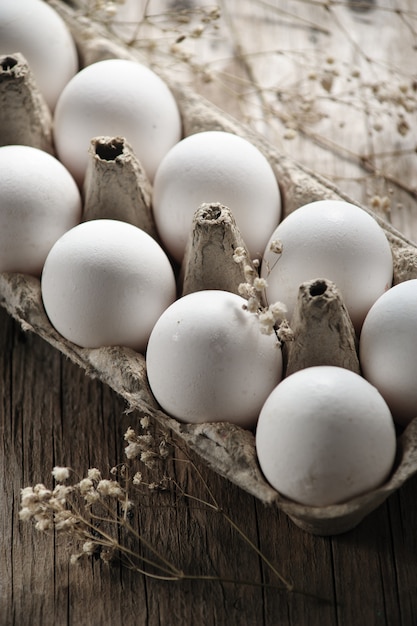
x,y
79,422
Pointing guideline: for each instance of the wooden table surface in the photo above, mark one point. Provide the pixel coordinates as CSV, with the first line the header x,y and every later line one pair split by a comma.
x,y
332,85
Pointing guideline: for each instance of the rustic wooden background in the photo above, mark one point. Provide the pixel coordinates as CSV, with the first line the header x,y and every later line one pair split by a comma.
x,y
331,84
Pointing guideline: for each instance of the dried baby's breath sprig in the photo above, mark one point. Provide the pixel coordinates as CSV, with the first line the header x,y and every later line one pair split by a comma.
x,y
95,513
270,316
152,451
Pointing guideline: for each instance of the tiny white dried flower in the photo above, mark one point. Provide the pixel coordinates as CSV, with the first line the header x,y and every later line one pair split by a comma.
x,y
253,305
104,487
132,450
278,310
250,273
61,474
276,246
109,488
42,493
239,254
267,322
137,478
146,441
60,494
44,524
56,504
245,290
65,520
25,514
85,485
145,422
130,434
259,284
74,558
89,547
285,333
126,505
27,497
91,496
94,474
148,458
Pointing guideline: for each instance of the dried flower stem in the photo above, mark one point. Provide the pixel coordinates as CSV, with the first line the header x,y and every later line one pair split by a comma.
x,y
214,505
88,512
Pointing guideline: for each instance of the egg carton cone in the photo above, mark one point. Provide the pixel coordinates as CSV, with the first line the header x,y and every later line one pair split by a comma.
x,y
116,185
25,117
322,331
226,448
209,259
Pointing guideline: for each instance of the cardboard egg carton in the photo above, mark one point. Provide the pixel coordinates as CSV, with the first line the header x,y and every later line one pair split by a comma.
x,y
226,448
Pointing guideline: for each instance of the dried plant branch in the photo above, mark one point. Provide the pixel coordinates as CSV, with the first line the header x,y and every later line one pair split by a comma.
x,y
87,512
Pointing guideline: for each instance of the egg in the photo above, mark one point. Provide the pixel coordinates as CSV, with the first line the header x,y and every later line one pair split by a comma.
x,y
215,166
34,29
325,435
116,97
106,283
388,349
334,240
39,202
207,360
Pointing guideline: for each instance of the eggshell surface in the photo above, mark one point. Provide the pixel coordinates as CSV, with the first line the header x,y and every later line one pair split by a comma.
x,y
106,283
116,97
324,436
334,240
39,202
388,349
34,29
215,166
207,360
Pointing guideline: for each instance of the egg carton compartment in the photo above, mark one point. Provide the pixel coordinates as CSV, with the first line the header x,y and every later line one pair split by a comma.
x,y
226,448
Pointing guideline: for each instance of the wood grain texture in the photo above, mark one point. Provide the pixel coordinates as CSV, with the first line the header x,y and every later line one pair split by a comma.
x,y
51,413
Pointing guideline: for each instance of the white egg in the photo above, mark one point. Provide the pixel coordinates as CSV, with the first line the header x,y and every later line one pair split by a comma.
x,y
33,28
388,349
116,97
207,360
215,166
105,283
335,240
324,436
39,202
